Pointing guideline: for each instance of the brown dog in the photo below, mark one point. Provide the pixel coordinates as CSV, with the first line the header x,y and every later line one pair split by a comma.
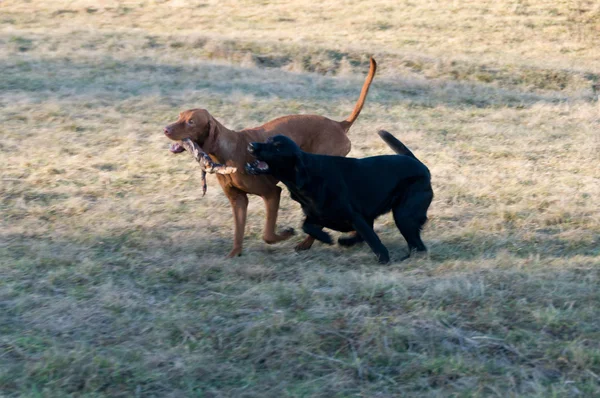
x,y
312,133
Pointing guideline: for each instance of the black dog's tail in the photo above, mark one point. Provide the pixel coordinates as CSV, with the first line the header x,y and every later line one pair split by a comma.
x,y
395,144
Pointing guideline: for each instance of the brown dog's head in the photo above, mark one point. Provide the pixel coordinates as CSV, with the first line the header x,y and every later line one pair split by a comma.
x,y
195,124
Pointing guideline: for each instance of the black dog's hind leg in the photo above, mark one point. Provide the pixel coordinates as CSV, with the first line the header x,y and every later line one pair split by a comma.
x,y
366,232
316,231
411,214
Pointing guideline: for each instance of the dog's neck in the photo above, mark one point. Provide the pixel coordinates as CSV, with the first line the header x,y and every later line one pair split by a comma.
x,y
223,143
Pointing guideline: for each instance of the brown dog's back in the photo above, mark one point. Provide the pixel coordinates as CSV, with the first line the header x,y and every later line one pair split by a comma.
x,y
313,133
318,134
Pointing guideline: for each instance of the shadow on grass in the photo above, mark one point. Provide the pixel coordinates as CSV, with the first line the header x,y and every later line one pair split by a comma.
x,y
489,246
141,248
117,79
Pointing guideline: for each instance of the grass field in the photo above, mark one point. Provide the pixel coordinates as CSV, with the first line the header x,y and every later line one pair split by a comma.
x,y
113,280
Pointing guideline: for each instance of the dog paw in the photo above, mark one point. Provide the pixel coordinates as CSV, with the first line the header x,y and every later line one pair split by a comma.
x,y
235,252
285,234
305,244
300,247
415,254
326,238
288,232
383,258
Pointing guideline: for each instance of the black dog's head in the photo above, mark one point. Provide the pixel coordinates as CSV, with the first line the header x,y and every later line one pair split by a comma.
x,y
279,156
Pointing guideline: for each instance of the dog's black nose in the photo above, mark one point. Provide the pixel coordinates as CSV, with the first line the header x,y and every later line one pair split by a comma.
x,y
252,147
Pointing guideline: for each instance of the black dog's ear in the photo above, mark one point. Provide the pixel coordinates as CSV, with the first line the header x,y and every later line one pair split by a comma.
x,y
301,173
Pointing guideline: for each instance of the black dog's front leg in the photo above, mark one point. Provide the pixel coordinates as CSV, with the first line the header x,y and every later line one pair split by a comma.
x,y
366,231
316,231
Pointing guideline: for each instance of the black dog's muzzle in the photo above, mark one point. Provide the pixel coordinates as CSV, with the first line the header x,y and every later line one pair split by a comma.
x,y
258,166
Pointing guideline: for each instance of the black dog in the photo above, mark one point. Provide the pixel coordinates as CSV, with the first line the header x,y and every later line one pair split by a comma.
x,y
346,194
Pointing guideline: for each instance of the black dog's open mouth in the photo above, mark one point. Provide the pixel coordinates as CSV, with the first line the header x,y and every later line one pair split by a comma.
x,y
176,147
257,167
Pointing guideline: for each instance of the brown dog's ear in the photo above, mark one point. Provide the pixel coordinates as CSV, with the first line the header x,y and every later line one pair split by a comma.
x,y
210,144
302,176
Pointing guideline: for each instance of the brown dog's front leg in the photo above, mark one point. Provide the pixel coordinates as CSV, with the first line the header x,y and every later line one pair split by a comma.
x,y
272,204
239,205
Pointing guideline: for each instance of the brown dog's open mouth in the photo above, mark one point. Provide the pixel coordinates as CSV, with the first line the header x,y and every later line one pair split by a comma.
x,y
257,167
176,147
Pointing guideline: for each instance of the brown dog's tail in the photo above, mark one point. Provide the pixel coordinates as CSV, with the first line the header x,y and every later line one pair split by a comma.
x,y
363,95
395,144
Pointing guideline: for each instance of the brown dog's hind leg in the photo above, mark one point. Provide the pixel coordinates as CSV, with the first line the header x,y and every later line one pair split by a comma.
x,y
272,204
305,244
239,205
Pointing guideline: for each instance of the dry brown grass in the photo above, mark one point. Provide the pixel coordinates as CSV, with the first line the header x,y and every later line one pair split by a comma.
x,y
112,276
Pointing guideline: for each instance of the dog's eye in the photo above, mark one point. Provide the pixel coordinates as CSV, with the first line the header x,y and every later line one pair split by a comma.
x,y
190,122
